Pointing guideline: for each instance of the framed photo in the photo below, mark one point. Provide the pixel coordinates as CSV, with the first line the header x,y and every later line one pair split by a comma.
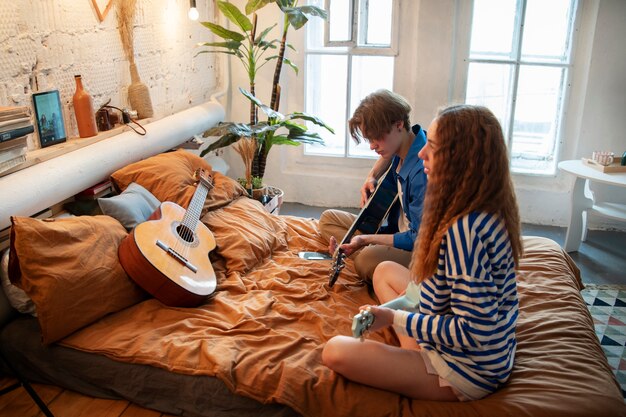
x,y
50,126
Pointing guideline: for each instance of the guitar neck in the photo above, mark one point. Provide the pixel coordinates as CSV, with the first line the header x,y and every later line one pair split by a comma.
x,y
380,201
192,215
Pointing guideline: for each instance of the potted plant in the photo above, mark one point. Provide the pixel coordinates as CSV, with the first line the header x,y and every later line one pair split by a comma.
x,y
255,139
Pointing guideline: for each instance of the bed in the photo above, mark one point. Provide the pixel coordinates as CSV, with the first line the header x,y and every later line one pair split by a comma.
x,y
254,347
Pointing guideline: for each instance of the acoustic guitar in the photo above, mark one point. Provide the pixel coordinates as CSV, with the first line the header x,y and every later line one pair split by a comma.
x,y
369,219
168,255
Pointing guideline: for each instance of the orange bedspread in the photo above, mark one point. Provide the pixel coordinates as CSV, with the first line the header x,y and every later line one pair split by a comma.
x,y
263,331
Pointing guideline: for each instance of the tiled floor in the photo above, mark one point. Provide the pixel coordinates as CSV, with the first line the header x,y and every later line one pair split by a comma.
x,y
608,309
601,258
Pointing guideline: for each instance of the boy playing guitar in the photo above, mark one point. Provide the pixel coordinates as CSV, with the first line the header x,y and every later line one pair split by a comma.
x,y
382,119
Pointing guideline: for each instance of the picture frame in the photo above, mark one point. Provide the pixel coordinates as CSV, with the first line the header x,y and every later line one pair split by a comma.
x,y
49,118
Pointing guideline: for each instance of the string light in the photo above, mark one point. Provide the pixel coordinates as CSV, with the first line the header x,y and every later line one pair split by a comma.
x,y
193,12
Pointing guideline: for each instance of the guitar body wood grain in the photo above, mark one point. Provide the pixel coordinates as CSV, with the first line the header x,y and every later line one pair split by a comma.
x,y
170,277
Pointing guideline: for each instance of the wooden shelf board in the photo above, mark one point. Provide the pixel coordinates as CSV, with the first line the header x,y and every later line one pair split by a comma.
x,y
38,156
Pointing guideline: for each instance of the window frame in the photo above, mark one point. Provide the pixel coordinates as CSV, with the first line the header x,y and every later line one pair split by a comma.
x,y
350,49
517,63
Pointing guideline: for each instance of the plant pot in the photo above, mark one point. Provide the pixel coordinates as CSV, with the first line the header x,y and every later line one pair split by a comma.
x,y
270,197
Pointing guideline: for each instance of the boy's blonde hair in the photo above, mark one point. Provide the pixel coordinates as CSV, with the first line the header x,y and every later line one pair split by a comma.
x,y
376,115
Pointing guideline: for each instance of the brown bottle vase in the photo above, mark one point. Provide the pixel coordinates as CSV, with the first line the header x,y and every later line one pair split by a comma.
x,y
83,109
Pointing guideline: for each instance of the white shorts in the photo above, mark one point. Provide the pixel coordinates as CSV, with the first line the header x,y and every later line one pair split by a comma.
x,y
442,382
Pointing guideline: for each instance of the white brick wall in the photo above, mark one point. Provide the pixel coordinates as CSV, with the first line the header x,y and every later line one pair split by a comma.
x,y
44,43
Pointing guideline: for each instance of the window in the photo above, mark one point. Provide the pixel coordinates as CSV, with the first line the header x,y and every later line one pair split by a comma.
x,y
518,67
347,57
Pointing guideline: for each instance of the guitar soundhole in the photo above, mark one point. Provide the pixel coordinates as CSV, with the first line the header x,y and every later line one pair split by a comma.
x,y
185,233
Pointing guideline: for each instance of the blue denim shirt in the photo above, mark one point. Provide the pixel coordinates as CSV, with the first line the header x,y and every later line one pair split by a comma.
x,y
413,184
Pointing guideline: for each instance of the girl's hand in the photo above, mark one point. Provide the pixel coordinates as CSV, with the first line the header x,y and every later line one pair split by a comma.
x,y
383,317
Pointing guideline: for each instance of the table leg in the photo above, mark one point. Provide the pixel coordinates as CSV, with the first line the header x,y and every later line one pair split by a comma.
x,y
580,204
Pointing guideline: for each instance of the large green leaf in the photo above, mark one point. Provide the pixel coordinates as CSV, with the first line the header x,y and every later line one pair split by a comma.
x,y
263,34
314,11
285,3
222,32
254,5
310,118
266,45
306,137
297,15
266,109
291,64
284,140
222,142
237,53
234,15
297,19
293,126
234,45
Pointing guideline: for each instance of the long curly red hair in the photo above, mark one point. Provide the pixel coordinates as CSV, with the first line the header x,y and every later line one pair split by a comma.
x,y
471,174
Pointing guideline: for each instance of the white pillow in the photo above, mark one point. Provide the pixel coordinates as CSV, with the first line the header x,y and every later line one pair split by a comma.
x,y
16,296
132,207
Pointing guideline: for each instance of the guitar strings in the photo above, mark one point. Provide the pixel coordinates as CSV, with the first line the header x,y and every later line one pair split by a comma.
x,y
186,229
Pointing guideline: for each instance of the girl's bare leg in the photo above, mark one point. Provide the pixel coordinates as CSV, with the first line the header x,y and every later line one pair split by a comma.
x,y
386,367
390,281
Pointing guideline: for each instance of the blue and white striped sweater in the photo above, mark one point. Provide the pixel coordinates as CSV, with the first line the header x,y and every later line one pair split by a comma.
x,y
469,307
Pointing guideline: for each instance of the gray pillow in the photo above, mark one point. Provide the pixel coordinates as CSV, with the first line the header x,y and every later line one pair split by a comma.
x,y
132,207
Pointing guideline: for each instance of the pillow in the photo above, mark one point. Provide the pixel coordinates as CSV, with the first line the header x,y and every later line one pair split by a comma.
x,y
16,296
130,208
170,177
70,269
245,234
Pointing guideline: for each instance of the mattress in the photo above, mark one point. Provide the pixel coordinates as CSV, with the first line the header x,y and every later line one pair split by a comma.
x,y
560,369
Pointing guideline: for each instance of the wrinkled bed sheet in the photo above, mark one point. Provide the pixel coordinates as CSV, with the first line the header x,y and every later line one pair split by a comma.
x,y
263,331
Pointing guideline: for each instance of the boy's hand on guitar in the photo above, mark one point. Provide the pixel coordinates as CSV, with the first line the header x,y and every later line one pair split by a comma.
x,y
354,245
367,189
332,245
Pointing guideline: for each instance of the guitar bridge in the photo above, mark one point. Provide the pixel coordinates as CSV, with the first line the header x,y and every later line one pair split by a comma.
x,y
177,256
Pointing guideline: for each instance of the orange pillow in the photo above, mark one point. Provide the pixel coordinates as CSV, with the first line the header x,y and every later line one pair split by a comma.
x,y
70,269
170,177
245,234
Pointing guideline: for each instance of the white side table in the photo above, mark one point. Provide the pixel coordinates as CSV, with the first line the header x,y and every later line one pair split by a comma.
x,y
583,200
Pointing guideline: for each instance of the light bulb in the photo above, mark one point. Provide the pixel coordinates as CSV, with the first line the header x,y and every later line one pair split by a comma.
x,y
193,13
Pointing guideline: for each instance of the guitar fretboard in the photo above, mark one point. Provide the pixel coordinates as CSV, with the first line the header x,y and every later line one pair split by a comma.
x,y
192,215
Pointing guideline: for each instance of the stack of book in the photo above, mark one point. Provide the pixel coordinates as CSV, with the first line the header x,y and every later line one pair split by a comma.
x,y
15,126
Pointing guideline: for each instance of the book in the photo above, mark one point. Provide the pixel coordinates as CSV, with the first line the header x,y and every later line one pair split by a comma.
x,y
96,191
11,163
13,143
13,112
16,133
12,153
14,124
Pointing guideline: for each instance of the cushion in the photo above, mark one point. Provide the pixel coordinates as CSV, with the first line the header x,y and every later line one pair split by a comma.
x,y
170,177
18,299
130,208
70,269
245,234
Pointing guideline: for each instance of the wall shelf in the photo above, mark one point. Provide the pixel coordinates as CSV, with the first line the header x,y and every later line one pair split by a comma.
x,y
37,156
